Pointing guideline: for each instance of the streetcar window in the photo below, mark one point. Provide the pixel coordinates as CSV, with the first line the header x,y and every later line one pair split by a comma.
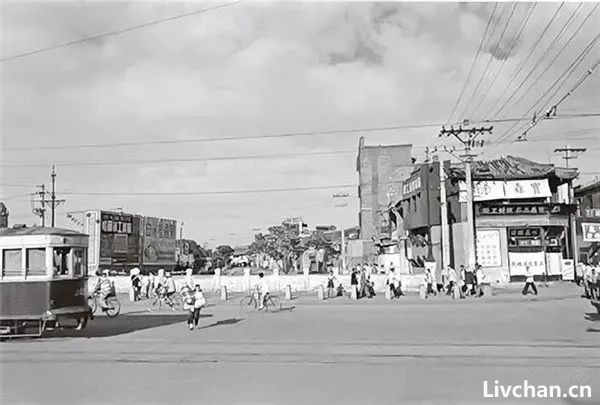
x,y
61,261
78,262
11,262
36,262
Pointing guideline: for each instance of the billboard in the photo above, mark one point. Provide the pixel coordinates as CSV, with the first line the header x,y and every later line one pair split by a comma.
x,y
520,260
119,238
159,241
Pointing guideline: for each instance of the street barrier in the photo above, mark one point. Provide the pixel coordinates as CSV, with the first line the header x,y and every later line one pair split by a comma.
x,y
456,292
423,292
224,293
388,292
486,289
288,292
320,293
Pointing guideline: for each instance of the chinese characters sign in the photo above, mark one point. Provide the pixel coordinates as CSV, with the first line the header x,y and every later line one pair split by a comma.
x,y
513,190
518,262
591,232
528,209
488,248
411,186
116,223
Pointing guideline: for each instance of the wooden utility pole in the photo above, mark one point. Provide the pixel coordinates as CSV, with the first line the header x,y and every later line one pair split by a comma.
x,y
468,137
41,211
444,218
344,203
570,154
53,201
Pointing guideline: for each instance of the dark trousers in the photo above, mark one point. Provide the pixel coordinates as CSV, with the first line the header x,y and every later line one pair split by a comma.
x,y
396,292
194,317
450,287
526,288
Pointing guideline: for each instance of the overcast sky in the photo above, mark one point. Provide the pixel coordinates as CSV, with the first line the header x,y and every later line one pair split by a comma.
x,y
255,69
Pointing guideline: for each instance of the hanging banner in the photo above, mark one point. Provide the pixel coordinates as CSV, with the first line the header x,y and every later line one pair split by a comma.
x,y
591,232
518,262
488,190
488,248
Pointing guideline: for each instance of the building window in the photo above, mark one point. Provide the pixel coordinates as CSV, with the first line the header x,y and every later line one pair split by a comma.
x,y
36,262
11,263
61,261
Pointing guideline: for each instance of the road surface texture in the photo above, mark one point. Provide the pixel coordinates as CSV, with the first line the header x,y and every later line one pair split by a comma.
x,y
333,352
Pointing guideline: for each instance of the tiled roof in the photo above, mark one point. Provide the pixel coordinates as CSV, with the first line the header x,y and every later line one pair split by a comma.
x,y
513,168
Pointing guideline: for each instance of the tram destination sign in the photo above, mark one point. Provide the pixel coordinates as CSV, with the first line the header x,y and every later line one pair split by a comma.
x,y
526,209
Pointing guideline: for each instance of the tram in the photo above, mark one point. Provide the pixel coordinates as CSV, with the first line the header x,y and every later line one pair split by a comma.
x,y
43,280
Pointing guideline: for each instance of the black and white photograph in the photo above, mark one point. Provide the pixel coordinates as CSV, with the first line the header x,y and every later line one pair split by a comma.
x,y
293,202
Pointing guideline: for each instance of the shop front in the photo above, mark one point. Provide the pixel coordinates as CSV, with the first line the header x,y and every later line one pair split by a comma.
x,y
514,236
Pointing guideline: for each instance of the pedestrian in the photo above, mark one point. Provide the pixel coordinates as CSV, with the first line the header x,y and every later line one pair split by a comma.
x,y
444,276
587,281
593,284
479,277
470,281
136,283
452,279
529,281
145,281
429,283
364,288
330,284
579,273
151,283
189,279
188,305
199,303
354,281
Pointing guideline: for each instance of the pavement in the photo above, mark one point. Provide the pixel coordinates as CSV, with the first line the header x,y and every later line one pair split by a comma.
x,y
437,351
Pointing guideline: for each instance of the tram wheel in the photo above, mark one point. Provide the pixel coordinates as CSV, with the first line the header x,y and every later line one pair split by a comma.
x,y
113,307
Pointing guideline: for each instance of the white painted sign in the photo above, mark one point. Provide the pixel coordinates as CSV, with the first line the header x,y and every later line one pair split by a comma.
x,y
568,270
518,261
488,248
488,190
591,232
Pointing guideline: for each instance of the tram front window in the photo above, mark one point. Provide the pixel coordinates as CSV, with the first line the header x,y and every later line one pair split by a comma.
x,y
79,257
61,260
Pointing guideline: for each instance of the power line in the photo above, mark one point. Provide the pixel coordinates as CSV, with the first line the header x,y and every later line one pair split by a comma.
x,y
524,61
182,160
266,136
491,58
496,74
181,193
464,87
539,61
114,33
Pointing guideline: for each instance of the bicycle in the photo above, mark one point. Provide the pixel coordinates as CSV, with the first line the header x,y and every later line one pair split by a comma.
x,y
113,305
174,302
250,303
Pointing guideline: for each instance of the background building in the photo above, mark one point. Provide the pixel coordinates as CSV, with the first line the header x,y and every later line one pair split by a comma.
x,y
381,170
588,222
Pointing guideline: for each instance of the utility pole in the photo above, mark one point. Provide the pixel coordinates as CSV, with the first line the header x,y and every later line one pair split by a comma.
x,y
40,212
468,138
444,218
53,201
344,203
570,154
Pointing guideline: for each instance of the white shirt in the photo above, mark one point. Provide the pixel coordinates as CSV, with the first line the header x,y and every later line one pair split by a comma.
x,y
452,275
170,284
480,276
199,300
263,286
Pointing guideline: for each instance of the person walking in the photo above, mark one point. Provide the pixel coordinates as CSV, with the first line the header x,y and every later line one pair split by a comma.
x,y
470,281
593,284
529,281
199,303
330,284
479,278
429,283
452,279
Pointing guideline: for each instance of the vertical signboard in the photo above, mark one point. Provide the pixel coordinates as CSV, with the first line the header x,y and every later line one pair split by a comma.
x,y
119,239
488,248
159,243
92,228
568,270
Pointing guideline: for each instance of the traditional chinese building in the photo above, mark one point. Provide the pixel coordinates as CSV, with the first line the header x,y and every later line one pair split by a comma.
x,y
588,222
522,216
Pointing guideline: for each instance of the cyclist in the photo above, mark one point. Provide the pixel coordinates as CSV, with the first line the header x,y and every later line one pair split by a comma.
x,y
170,286
104,287
263,290
159,282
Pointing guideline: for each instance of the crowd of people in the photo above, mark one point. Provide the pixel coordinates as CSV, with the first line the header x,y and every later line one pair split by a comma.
x,y
587,275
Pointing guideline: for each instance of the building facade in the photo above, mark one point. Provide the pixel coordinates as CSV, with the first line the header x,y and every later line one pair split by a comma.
x,y
522,217
588,222
381,170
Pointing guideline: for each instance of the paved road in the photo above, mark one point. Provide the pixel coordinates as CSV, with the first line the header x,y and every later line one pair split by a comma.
x,y
337,352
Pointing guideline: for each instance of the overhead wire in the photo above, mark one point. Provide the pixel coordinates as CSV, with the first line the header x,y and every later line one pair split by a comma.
x,y
490,59
524,61
544,55
465,84
500,66
114,33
